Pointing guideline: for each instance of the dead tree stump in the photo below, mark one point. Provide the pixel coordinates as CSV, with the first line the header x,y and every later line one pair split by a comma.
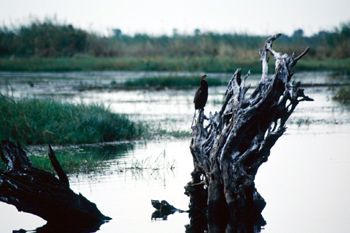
x,y
237,140
38,192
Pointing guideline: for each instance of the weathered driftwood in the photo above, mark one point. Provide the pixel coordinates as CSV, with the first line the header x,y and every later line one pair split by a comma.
x,y
38,192
228,152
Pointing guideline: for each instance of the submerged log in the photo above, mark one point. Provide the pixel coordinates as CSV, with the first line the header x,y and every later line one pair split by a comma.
x,y
40,193
237,140
163,209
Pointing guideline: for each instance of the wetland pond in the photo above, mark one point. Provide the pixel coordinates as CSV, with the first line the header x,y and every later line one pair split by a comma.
x,y
305,182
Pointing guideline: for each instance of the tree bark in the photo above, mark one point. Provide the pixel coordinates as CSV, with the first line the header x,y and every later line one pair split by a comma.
x,y
38,192
228,152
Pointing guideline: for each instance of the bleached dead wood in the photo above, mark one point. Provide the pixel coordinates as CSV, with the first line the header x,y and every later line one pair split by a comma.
x,y
228,152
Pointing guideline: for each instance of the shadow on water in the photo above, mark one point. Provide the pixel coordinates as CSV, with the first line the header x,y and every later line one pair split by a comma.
x,y
64,227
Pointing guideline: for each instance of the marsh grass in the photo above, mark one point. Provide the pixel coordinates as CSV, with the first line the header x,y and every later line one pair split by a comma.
x,y
35,121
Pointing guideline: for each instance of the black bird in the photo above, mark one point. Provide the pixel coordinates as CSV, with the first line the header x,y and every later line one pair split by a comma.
x,y
201,96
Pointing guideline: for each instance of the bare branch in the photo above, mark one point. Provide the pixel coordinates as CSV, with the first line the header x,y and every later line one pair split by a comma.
x,y
302,54
56,165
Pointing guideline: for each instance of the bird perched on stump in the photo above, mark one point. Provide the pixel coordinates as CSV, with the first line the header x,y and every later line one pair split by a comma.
x,y
201,96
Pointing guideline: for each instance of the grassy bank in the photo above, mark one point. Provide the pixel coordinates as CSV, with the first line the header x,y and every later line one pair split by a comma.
x,y
40,121
194,64
205,64
170,82
152,83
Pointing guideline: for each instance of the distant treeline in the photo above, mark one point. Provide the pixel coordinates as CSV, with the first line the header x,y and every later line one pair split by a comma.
x,y
52,39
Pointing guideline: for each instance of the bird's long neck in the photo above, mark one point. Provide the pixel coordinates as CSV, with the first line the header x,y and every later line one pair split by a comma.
x,y
204,84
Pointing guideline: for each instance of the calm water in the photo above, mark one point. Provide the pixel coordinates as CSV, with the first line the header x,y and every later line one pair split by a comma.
x,y
305,182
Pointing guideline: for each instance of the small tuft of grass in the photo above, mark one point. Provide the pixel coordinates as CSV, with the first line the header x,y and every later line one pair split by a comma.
x,y
303,121
149,163
343,95
35,121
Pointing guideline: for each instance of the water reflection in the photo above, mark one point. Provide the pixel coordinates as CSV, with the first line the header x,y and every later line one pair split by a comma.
x,y
102,151
239,225
107,151
245,219
221,223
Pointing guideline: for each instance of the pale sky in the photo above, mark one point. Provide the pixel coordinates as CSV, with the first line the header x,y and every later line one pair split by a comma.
x,y
157,17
